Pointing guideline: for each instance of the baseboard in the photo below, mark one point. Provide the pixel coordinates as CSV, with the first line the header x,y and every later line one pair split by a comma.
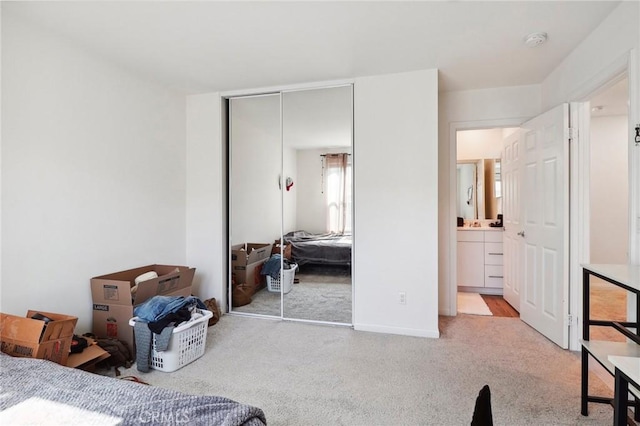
x,y
415,332
482,290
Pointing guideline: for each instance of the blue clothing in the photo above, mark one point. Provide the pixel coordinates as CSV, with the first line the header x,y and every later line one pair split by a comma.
x,y
158,307
272,266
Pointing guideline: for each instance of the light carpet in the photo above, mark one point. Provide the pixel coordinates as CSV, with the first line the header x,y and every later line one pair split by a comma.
x,y
305,374
330,302
472,303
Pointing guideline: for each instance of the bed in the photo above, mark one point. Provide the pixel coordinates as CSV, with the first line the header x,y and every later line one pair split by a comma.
x,y
34,391
324,249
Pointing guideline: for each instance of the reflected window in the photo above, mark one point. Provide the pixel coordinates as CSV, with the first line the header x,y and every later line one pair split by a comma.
x,y
337,190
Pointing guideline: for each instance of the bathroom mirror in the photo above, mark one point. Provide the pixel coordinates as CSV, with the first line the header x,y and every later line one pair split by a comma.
x,y
479,189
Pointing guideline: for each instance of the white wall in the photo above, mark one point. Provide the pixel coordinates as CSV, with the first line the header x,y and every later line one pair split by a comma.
x,y
205,201
477,144
311,203
396,218
609,190
615,42
612,40
471,109
93,172
290,197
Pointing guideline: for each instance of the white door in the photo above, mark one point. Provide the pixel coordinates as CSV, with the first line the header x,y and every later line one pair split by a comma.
x,y
513,243
544,200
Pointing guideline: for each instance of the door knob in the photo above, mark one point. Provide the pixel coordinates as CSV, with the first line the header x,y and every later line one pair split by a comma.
x,y
521,233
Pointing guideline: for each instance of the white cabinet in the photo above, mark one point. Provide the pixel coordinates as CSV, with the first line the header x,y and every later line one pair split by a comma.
x,y
480,260
471,254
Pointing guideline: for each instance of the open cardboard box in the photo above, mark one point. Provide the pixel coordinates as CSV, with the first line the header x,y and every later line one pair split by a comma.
x,y
246,263
113,299
89,357
33,338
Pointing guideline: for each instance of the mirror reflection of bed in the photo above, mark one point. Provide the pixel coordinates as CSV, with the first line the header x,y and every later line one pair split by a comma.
x,y
316,204
323,287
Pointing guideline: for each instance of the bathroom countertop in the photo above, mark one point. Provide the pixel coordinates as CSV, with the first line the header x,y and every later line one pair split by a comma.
x,y
480,228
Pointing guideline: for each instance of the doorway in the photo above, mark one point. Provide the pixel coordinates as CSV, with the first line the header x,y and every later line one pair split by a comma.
x,y
609,199
480,260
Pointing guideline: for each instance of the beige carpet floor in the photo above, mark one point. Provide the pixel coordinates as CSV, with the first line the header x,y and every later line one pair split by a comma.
x,y
322,294
305,374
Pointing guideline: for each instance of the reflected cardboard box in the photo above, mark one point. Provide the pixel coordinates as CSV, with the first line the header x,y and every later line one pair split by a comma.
x,y
246,263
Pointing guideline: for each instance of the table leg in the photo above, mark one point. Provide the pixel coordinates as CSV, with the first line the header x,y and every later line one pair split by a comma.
x,y
585,305
584,388
621,390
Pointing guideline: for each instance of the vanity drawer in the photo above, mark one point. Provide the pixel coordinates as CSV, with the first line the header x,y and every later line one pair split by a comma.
x,y
493,276
493,236
493,254
471,236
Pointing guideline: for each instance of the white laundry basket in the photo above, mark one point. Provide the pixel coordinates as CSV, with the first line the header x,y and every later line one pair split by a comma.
x,y
186,344
273,284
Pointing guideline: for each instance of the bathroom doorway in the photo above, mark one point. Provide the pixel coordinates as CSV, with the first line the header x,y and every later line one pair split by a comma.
x,y
479,240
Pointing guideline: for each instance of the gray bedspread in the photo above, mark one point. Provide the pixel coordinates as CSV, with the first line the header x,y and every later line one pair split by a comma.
x,y
329,249
34,391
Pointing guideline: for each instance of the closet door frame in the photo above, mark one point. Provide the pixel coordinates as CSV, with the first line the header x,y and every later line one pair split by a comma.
x,y
226,117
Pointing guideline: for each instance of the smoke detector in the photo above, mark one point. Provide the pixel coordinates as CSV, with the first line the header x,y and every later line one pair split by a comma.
x,y
535,39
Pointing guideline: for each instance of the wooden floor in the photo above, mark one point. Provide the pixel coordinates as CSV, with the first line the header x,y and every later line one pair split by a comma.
x,y
499,307
607,302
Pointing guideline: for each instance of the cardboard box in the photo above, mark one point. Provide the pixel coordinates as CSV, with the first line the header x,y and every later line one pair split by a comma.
x,y
246,263
89,357
286,252
113,300
32,338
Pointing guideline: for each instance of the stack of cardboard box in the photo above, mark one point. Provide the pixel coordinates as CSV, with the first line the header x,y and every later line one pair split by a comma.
x,y
116,294
246,263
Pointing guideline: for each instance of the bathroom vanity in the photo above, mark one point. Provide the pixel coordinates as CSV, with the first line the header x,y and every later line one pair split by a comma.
x,y
480,259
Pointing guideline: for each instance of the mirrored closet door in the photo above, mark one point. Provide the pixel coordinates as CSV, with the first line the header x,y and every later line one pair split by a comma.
x,y
290,195
255,199
317,140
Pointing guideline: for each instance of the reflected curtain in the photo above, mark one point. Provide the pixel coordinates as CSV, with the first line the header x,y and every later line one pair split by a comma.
x,y
338,192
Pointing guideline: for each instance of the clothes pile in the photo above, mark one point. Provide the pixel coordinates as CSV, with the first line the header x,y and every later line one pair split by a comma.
x,y
159,316
272,266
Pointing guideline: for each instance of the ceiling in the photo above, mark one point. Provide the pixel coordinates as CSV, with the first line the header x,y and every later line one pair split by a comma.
x,y
197,47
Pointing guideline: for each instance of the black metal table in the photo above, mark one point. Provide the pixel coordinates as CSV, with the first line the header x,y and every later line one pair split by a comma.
x,y
627,374
624,276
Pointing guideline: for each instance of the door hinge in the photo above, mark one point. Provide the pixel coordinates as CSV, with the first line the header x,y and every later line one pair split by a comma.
x,y
572,320
571,133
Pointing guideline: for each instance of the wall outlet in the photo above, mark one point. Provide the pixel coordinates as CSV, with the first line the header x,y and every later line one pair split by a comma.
x,y
402,298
